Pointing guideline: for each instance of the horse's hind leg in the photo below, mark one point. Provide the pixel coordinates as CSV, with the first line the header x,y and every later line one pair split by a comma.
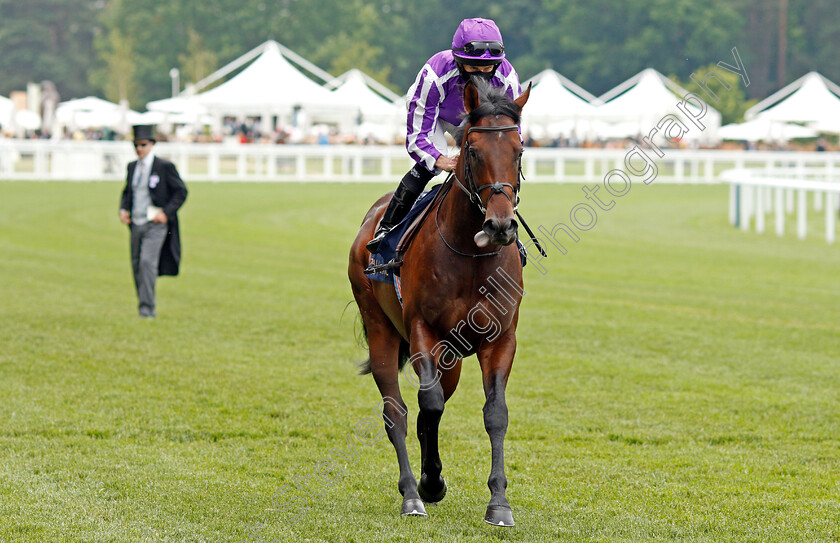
x,y
384,343
395,413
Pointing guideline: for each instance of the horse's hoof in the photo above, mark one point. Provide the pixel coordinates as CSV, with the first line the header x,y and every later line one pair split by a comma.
x,y
428,497
413,508
499,515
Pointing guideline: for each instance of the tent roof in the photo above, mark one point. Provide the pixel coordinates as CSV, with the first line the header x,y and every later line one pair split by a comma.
x,y
187,105
647,97
89,103
808,99
92,112
355,91
270,83
648,93
552,76
370,82
551,98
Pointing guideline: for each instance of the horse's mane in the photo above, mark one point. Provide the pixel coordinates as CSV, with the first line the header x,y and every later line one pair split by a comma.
x,y
493,101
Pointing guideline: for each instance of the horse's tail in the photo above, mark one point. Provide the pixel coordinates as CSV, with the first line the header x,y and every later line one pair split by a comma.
x,y
364,367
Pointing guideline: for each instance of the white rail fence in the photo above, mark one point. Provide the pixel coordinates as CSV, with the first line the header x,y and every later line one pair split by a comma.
x,y
105,161
753,193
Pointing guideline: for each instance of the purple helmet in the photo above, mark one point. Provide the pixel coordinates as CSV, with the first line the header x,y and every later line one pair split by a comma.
x,y
478,42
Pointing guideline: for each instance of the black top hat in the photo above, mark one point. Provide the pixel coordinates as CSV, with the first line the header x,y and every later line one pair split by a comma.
x,y
144,132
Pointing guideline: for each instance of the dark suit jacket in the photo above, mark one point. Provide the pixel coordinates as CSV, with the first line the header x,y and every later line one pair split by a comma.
x,y
168,192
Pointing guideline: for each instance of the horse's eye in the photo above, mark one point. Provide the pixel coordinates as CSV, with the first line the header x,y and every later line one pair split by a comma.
x,y
473,154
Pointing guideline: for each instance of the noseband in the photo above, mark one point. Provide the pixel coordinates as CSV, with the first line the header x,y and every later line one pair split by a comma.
x,y
474,192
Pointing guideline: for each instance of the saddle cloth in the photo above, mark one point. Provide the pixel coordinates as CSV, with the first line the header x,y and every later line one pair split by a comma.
x,y
388,247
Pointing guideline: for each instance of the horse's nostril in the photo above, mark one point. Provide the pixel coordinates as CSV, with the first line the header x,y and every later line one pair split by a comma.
x,y
491,226
512,228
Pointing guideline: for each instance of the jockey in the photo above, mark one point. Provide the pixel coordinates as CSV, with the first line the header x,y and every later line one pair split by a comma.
x,y
436,104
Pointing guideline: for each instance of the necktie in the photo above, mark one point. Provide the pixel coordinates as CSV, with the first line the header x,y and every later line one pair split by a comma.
x,y
138,174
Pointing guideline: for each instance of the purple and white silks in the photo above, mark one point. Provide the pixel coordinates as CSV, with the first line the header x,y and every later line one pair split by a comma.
x,y
437,95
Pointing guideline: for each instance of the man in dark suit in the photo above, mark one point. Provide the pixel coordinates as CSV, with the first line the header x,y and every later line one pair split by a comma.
x,y
150,201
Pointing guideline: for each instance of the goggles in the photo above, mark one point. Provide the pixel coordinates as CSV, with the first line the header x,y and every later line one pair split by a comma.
x,y
478,48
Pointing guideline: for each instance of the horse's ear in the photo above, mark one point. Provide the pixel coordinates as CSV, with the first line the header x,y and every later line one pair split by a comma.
x,y
470,97
523,97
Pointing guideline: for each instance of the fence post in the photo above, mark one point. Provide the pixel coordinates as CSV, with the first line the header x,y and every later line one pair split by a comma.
x,y
733,204
759,209
386,166
829,216
679,170
746,195
801,214
780,211
241,168
531,167
271,157
214,165
329,166
300,166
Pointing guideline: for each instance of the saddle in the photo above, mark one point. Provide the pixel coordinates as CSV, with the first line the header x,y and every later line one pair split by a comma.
x,y
386,263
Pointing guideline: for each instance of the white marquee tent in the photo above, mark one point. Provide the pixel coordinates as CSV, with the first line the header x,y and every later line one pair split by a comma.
x,y
7,110
811,99
93,112
558,107
765,129
178,110
379,118
642,101
271,86
27,120
352,88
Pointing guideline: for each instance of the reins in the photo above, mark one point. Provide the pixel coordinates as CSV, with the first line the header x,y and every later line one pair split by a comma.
x,y
437,225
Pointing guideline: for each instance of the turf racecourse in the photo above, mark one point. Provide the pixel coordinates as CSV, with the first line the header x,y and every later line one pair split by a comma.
x,y
676,379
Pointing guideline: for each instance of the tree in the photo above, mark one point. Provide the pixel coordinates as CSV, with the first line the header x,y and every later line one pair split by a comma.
x,y
596,43
354,46
47,39
198,62
733,102
116,79
814,29
600,43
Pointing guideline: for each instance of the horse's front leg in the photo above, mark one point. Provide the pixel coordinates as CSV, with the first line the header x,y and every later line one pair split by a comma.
x,y
496,360
431,398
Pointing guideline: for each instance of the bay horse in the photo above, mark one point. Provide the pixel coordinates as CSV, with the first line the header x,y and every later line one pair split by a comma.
x,y
461,285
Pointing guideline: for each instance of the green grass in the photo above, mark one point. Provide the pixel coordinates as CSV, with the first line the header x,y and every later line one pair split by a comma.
x,y
676,378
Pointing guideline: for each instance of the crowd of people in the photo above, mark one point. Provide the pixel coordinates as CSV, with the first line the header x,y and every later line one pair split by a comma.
x,y
249,131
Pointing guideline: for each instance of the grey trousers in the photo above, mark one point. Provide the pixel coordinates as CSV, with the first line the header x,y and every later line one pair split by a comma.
x,y
146,243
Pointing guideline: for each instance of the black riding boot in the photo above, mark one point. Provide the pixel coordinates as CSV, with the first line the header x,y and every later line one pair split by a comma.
x,y
397,209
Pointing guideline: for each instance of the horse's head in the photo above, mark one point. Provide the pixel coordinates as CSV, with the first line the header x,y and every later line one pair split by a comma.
x,y
489,165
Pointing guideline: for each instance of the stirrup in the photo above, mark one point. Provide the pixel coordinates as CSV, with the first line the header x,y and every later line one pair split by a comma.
x,y
379,235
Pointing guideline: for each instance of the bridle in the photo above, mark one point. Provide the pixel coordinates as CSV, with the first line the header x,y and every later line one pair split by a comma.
x,y
474,192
